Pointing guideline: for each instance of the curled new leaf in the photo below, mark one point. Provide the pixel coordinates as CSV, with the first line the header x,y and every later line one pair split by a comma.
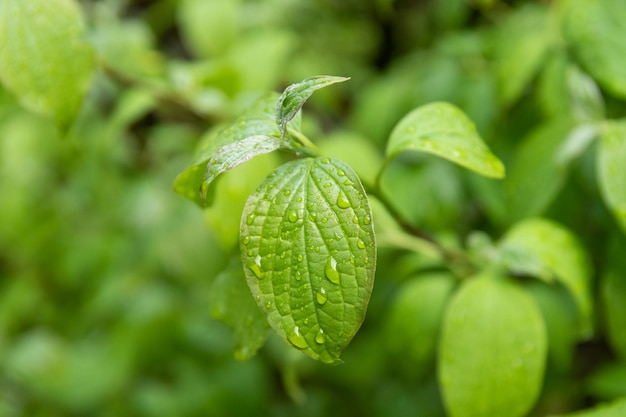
x,y
294,97
309,254
444,130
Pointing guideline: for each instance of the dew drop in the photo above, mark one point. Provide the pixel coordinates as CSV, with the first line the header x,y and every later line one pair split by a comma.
x,y
320,337
250,252
360,244
306,321
367,219
300,258
292,216
298,276
331,271
312,216
287,193
342,201
297,339
250,218
325,220
325,161
322,297
255,267
348,182
268,304
245,240
338,236
299,199
341,173
355,220
352,259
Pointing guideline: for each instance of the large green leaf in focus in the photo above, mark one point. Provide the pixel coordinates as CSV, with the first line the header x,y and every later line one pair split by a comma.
x,y
492,350
444,130
613,294
232,303
549,251
596,32
44,58
611,169
309,254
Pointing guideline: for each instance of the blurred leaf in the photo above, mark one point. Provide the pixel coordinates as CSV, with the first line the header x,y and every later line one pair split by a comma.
x,y
547,250
536,174
561,317
615,409
587,103
444,130
44,59
492,350
611,170
414,321
613,293
294,97
209,28
308,248
234,154
233,304
609,382
522,43
596,33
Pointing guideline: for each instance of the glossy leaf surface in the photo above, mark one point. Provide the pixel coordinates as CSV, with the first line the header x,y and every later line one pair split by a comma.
x,y
309,254
444,130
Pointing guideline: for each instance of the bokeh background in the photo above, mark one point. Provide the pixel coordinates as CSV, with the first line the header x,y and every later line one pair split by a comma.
x,y
106,275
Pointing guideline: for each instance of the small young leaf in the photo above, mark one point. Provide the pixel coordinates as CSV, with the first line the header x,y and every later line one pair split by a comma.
x,y
614,296
234,154
309,254
294,97
547,250
44,58
232,303
444,130
492,350
611,169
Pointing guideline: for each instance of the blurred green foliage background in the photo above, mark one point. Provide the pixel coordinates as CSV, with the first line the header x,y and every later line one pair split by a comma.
x,y
106,275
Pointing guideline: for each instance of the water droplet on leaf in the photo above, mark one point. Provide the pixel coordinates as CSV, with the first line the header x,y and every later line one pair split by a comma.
x,y
250,218
320,337
322,297
293,216
342,201
331,271
297,339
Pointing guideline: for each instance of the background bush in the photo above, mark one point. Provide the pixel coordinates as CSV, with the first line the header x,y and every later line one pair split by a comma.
x,y
107,278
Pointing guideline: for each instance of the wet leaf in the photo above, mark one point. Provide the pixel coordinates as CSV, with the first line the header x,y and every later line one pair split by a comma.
x,y
294,97
444,130
309,254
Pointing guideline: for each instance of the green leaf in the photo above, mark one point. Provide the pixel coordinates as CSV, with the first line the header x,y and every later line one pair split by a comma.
x,y
596,32
613,293
586,101
616,408
492,350
233,304
523,41
234,154
611,170
309,254
44,58
444,130
294,97
257,120
412,328
537,171
209,27
549,251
